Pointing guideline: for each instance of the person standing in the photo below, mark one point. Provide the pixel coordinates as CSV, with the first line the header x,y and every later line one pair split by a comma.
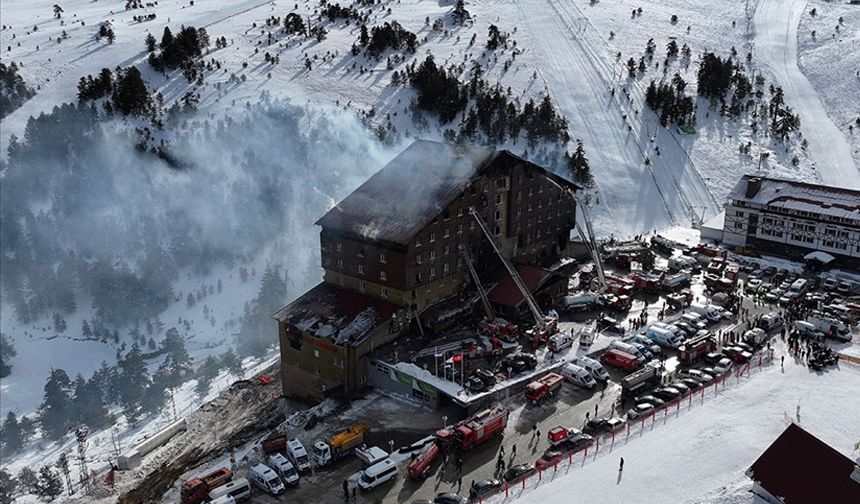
x,y
621,464
345,490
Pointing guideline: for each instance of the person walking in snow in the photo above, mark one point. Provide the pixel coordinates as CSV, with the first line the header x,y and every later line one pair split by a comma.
x,y
345,490
621,464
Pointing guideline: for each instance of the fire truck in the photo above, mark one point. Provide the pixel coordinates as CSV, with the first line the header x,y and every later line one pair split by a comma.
x,y
544,387
476,429
420,465
696,348
197,490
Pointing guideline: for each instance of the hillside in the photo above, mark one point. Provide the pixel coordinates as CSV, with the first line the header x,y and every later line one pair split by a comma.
x,y
290,106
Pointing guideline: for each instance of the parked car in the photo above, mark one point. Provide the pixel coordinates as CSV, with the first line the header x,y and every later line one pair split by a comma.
x,y
519,471
685,327
548,459
714,357
650,399
696,374
723,366
709,371
449,498
594,367
484,487
737,354
753,285
690,383
575,443
640,410
610,325
667,393
830,283
645,341
603,425
746,347
486,376
682,388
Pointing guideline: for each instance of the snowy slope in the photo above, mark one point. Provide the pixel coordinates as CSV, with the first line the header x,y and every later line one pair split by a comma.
x,y
701,453
776,47
831,61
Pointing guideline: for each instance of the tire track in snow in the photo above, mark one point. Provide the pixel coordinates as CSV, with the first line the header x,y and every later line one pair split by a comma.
x,y
775,26
624,185
693,192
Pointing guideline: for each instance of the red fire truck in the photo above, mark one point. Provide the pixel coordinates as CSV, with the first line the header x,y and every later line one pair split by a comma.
x,y
476,429
420,466
543,387
696,348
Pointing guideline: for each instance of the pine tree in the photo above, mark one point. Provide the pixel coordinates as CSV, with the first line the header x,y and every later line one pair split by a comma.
x,y
8,487
62,465
150,43
232,363
254,335
28,480
131,95
166,38
578,165
55,408
177,363
50,486
7,353
132,383
88,403
11,437
460,14
207,372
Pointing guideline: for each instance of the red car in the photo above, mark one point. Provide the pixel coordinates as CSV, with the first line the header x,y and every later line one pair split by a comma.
x,y
549,459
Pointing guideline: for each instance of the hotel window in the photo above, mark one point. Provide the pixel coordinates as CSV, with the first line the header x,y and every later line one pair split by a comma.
x,y
339,246
384,292
498,214
498,230
432,237
340,263
382,257
418,259
519,195
316,353
432,255
417,242
519,211
432,273
472,224
383,276
429,287
447,232
360,269
459,229
530,207
501,183
498,199
360,252
445,268
418,276
446,250
361,286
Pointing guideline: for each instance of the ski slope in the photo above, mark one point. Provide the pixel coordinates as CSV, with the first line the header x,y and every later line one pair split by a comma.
x,y
776,23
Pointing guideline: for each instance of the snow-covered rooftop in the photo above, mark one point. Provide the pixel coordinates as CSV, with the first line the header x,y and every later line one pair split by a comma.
x,y
793,195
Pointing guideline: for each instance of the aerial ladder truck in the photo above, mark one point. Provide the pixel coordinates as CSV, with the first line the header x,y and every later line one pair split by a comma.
x,y
503,334
545,325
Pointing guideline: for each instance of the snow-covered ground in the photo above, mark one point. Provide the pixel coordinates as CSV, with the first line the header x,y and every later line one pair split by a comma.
x,y
776,36
565,50
831,61
700,454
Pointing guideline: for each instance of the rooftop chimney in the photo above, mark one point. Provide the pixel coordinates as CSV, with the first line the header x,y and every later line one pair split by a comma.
x,y
753,186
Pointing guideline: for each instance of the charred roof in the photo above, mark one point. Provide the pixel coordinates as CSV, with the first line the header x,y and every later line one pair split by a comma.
x,y
410,191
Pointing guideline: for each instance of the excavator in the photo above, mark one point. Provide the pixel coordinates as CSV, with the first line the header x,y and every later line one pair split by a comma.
x,y
545,325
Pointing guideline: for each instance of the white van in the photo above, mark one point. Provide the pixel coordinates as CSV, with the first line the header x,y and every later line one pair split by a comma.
x,y
578,376
267,480
627,347
708,312
377,474
298,455
770,321
799,286
830,326
284,468
559,341
594,367
804,328
663,337
224,499
694,319
239,489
